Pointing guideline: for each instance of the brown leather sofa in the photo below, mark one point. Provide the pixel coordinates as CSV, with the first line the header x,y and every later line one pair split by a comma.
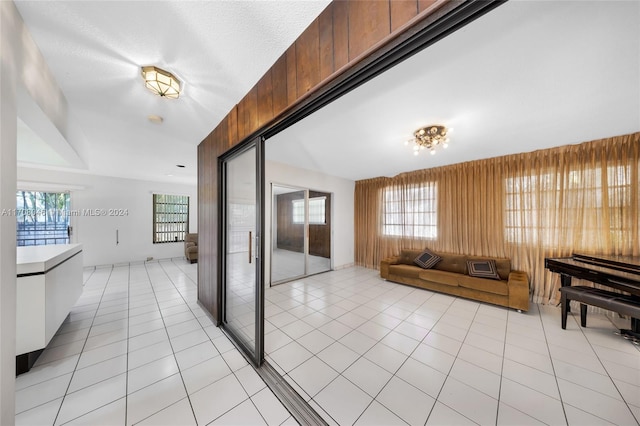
x,y
450,275
191,247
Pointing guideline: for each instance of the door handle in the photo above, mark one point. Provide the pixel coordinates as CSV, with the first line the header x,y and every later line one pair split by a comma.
x,y
250,247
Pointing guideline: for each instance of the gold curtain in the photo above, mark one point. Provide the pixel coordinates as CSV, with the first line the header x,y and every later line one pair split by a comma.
x,y
549,203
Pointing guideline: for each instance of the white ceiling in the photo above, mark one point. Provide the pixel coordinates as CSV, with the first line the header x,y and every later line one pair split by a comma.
x,y
528,75
219,49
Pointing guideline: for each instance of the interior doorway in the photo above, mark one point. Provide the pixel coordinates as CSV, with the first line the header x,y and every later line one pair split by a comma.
x,y
300,233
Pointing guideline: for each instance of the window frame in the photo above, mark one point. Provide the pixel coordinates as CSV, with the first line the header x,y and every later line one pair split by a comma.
x,y
183,201
37,211
569,182
313,219
395,223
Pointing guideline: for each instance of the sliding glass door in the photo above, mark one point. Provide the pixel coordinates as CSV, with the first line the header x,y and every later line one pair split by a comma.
x,y
288,234
300,233
242,250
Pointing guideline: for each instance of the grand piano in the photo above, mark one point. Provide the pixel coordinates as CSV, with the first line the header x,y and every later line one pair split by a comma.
x,y
618,272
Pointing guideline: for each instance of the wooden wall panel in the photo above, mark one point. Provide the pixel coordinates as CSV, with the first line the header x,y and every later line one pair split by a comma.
x,y
207,199
290,235
320,235
340,33
265,99
292,83
344,33
279,81
402,11
240,119
369,23
232,128
425,4
325,26
308,59
221,131
251,111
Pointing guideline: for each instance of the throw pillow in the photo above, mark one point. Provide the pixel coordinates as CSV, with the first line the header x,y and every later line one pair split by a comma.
x,y
483,269
427,259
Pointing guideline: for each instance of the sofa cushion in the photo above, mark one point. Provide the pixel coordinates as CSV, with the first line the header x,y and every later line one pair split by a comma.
x,y
407,256
412,271
483,284
427,259
452,263
485,268
503,265
440,277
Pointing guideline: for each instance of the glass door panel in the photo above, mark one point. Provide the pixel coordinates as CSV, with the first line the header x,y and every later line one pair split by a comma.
x,y
319,231
242,314
288,232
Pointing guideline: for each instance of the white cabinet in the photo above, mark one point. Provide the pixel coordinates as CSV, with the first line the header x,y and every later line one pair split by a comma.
x,y
49,283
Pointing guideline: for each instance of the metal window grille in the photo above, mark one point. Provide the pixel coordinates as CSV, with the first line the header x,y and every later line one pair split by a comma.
x,y
42,218
170,218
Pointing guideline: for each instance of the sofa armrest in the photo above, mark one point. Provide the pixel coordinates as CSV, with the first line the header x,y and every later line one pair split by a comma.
x,y
384,265
518,290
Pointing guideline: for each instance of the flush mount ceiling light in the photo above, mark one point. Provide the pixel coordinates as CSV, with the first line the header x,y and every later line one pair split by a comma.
x,y
429,137
161,82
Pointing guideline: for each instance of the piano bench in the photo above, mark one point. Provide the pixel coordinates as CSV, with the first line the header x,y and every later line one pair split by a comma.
x,y
616,302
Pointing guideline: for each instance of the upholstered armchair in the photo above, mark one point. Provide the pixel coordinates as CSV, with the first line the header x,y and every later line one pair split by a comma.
x,y
191,247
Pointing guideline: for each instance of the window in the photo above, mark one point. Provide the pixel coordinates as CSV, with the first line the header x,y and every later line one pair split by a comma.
x,y
410,211
584,198
526,200
170,218
42,218
316,211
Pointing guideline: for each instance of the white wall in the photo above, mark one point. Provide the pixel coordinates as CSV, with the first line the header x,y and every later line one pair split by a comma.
x,y
342,220
22,69
91,193
8,136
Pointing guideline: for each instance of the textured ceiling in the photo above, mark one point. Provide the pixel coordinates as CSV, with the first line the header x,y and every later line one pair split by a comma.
x,y
527,75
219,49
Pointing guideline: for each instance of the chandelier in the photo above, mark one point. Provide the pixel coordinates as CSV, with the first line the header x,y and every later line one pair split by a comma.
x,y
161,82
429,137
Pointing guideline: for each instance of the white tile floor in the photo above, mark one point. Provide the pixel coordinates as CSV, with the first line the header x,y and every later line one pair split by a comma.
x,y
365,351
286,264
138,349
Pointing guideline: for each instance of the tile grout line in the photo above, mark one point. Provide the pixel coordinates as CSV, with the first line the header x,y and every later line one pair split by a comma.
x,y
220,354
232,372
170,344
126,382
582,330
83,346
452,364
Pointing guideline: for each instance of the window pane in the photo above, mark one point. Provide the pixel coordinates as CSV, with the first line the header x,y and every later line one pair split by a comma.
x,y
411,211
42,218
170,218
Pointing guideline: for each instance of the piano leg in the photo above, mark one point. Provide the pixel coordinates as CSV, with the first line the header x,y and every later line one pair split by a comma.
x,y
583,315
565,281
632,334
564,308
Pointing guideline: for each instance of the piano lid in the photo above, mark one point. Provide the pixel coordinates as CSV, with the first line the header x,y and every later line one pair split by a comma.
x,y
622,263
